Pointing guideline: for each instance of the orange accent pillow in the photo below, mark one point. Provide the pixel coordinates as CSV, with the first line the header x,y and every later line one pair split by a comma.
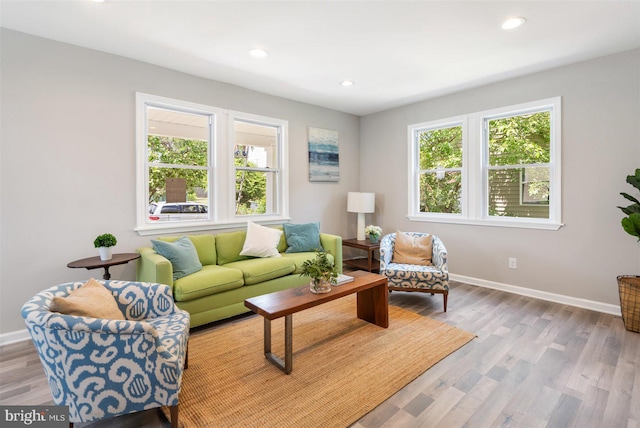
x,y
413,250
92,299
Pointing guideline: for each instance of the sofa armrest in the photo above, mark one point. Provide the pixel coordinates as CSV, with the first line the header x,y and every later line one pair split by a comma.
x,y
333,244
152,267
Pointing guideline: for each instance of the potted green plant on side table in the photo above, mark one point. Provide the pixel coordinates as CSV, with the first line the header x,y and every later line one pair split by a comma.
x,y
104,243
322,272
629,285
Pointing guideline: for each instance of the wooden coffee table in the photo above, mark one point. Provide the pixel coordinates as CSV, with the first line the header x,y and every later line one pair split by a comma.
x,y
372,306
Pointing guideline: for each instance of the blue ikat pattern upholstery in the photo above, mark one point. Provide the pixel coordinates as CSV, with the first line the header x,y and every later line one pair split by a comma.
x,y
102,368
408,277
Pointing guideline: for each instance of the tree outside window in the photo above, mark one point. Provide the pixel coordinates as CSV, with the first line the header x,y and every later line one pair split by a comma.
x,y
256,167
518,165
499,167
440,171
187,157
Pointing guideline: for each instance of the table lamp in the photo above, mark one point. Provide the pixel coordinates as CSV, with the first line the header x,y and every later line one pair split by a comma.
x,y
361,203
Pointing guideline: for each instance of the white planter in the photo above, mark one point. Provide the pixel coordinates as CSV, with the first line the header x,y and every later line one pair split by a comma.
x,y
105,253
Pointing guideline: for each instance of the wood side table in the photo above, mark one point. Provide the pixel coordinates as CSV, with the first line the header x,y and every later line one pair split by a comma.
x,y
95,262
368,263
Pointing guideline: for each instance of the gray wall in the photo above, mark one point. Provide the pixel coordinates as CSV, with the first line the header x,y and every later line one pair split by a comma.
x,y
67,168
68,158
600,147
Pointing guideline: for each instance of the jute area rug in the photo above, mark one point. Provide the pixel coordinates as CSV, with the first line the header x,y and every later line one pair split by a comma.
x,y
343,368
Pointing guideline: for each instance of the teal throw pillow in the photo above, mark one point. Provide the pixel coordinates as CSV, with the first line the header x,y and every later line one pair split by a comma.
x,y
302,237
182,254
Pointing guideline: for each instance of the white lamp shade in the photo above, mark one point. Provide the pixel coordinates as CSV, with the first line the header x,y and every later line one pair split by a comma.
x,y
361,203
358,202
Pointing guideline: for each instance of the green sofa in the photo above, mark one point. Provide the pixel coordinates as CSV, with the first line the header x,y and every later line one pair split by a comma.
x,y
218,290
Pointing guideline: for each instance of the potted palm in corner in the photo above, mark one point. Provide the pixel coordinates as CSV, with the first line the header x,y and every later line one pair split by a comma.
x,y
322,272
629,285
104,243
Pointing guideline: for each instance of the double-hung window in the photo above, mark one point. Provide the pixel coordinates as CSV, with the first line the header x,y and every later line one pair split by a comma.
x,y
438,162
257,167
201,167
498,167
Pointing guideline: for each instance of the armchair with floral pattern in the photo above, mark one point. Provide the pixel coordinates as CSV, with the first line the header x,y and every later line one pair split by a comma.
x,y
409,277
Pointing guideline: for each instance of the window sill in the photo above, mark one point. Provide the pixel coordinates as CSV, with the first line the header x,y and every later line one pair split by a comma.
x,y
513,223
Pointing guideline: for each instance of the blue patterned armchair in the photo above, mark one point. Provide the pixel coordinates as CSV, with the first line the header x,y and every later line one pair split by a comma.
x,y
408,277
102,368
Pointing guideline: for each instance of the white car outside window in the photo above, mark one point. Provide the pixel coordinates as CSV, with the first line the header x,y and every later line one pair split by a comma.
x,y
177,211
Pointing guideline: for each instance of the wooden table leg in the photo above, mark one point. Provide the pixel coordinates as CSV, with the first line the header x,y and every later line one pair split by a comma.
x,y
373,305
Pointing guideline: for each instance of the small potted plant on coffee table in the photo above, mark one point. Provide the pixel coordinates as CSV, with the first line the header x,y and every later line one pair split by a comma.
x,y
104,243
322,272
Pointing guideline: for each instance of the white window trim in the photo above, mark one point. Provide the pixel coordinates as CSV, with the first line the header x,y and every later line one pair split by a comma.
x,y
474,178
221,172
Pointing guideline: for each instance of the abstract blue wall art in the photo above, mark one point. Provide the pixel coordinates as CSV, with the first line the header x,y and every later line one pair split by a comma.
x,y
324,164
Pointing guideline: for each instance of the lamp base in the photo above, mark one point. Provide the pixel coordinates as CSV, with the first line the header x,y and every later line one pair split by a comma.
x,y
360,231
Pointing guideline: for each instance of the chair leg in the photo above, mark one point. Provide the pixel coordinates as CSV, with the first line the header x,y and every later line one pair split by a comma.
x,y
174,416
186,358
445,295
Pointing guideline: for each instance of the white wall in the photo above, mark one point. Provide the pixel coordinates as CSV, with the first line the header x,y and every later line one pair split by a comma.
x,y
68,158
600,147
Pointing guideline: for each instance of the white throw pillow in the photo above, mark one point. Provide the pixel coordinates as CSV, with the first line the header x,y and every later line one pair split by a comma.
x,y
261,241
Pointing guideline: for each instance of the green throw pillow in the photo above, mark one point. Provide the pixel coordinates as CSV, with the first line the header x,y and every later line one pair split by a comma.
x,y
302,237
182,254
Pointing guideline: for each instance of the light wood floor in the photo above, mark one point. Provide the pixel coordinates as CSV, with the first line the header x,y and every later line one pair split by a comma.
x,y
533,364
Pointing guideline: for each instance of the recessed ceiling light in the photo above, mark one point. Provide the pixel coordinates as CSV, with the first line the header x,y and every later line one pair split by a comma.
x,y
347,83
512,23
258,53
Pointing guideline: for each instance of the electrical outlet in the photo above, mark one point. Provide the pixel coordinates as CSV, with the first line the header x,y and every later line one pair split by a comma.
x,y
513,263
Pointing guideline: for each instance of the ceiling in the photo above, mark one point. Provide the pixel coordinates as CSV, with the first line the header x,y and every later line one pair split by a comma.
x,y
396,52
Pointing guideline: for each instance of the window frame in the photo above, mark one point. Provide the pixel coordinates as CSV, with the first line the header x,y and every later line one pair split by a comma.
x,y
282,176
415,170
221,170
475,168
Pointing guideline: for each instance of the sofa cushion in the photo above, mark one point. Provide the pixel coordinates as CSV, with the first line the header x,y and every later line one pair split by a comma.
x,y
211,279
412,249
261,241
205,246
299,258
302,237
182,254
229,245
263,269
92,300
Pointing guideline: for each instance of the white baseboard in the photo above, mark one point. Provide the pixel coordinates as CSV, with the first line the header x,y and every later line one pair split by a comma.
x,y
20,335
14,337
542,295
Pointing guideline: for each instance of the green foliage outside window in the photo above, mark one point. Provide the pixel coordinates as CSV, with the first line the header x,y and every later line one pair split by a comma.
x,y
523,140
251,187
176,152
520,144
439,189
